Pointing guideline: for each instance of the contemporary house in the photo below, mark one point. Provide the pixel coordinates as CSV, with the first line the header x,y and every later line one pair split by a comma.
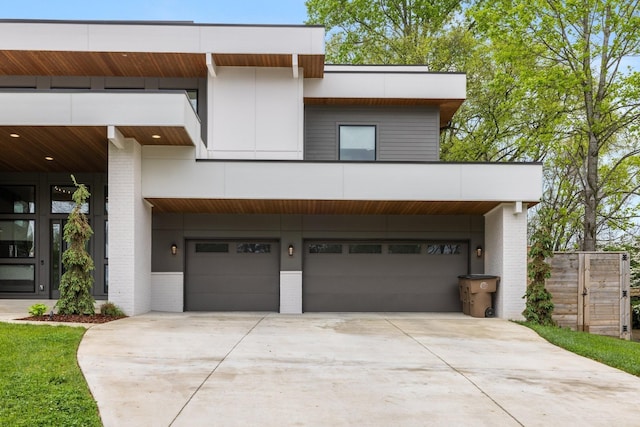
x,y
231,169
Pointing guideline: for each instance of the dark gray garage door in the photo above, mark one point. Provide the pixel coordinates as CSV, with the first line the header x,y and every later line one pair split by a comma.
x,y
230,275
383,276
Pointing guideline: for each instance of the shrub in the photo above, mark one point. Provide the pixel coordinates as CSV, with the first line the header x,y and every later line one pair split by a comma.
x,y
37,309
110,309
635,312
539,307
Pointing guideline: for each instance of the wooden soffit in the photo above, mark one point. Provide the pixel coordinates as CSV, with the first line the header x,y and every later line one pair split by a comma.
x,y
320,207
73,148
448,107
140,64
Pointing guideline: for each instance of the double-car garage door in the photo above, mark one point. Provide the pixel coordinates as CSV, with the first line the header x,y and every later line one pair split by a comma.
x,y
383,276
244,275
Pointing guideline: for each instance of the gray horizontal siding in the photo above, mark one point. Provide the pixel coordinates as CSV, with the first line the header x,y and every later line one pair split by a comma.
x,y
403,133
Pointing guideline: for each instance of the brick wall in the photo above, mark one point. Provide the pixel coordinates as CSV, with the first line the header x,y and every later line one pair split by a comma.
x,y
506,256
291,292
167,292
129,231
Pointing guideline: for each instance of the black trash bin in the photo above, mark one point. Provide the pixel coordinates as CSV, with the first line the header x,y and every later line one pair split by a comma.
x,y
475,294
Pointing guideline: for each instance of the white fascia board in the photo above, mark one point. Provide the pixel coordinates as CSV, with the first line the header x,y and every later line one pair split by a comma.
x,y
262,39
98,109
44,36
387,85
176,38
180,178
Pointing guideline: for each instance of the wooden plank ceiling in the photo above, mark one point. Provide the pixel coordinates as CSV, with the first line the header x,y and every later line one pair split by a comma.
x,y
139,64
320,207
72,148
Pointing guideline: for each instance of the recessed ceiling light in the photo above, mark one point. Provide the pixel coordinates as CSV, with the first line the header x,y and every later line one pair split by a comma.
x,y
48,158
14,135
156,136
125,55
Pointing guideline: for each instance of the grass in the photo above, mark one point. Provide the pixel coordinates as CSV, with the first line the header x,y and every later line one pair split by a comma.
x,y
40,381
617,353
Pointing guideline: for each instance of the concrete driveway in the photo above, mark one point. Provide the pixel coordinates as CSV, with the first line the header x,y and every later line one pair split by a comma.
x,y
250,369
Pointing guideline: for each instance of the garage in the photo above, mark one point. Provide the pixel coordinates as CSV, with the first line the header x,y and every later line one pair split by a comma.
x,y
232,275
402,276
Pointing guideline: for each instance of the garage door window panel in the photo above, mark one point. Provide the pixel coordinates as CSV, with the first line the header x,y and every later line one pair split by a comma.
x,y
444,249
253,248
365,249
403,249
212,247
325,248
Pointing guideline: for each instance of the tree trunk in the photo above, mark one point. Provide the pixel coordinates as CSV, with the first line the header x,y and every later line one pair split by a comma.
x,y
591,196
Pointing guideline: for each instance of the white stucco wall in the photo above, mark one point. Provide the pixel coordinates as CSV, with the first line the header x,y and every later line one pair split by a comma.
x,y
505,255
255,113
129,231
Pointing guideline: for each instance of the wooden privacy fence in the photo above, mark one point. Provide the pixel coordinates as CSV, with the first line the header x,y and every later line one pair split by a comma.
x,y
591,292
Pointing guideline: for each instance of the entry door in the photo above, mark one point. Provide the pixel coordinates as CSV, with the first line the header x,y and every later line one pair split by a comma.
x,y
58,246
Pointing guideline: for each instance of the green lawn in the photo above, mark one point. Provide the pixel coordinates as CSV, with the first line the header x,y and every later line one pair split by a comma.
x,y
620,354
40,381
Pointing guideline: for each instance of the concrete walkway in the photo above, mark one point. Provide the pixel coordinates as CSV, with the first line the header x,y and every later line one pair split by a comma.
x,y
245,369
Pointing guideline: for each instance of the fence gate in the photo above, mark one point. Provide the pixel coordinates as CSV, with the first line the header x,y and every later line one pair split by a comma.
x,y
591,292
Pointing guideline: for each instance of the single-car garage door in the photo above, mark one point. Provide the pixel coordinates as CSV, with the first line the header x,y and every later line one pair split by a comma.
x,y
232,275
419,276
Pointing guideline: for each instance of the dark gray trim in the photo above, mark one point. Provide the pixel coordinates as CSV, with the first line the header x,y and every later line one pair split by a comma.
x,y
431,162
171,23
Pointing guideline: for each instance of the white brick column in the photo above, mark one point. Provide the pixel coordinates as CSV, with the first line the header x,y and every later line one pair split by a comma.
x,y
291,292
506,256
129,230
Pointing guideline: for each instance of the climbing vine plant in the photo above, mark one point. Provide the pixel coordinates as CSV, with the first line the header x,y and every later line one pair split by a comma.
x,y
77,281
539,307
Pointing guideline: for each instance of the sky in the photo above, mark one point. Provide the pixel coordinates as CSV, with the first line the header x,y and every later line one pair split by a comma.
x,y
199,11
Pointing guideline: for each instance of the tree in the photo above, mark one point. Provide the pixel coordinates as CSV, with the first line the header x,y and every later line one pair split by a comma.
x,y
77,281
382,32
587,44
547,81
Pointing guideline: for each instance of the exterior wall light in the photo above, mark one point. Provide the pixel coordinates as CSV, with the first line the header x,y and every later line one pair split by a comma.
x,y
174,249
290,250
479,251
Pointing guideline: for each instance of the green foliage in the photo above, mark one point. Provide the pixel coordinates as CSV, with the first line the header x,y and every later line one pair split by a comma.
x,y
635,313
539,307
37,309
77,281
40,381
580,51
620,354
389,32
110,309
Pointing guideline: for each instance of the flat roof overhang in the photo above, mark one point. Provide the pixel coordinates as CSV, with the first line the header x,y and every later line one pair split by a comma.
x,y
72,127
299,187
388,85
152,49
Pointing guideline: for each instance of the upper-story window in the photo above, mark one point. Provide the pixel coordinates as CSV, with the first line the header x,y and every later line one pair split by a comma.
x,y
357,142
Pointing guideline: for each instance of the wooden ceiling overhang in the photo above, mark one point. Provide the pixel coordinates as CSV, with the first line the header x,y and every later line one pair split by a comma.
x,y
141,64
321,207
73,148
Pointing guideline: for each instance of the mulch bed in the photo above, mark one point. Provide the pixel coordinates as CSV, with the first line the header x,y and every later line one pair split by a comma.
x,y
74,318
